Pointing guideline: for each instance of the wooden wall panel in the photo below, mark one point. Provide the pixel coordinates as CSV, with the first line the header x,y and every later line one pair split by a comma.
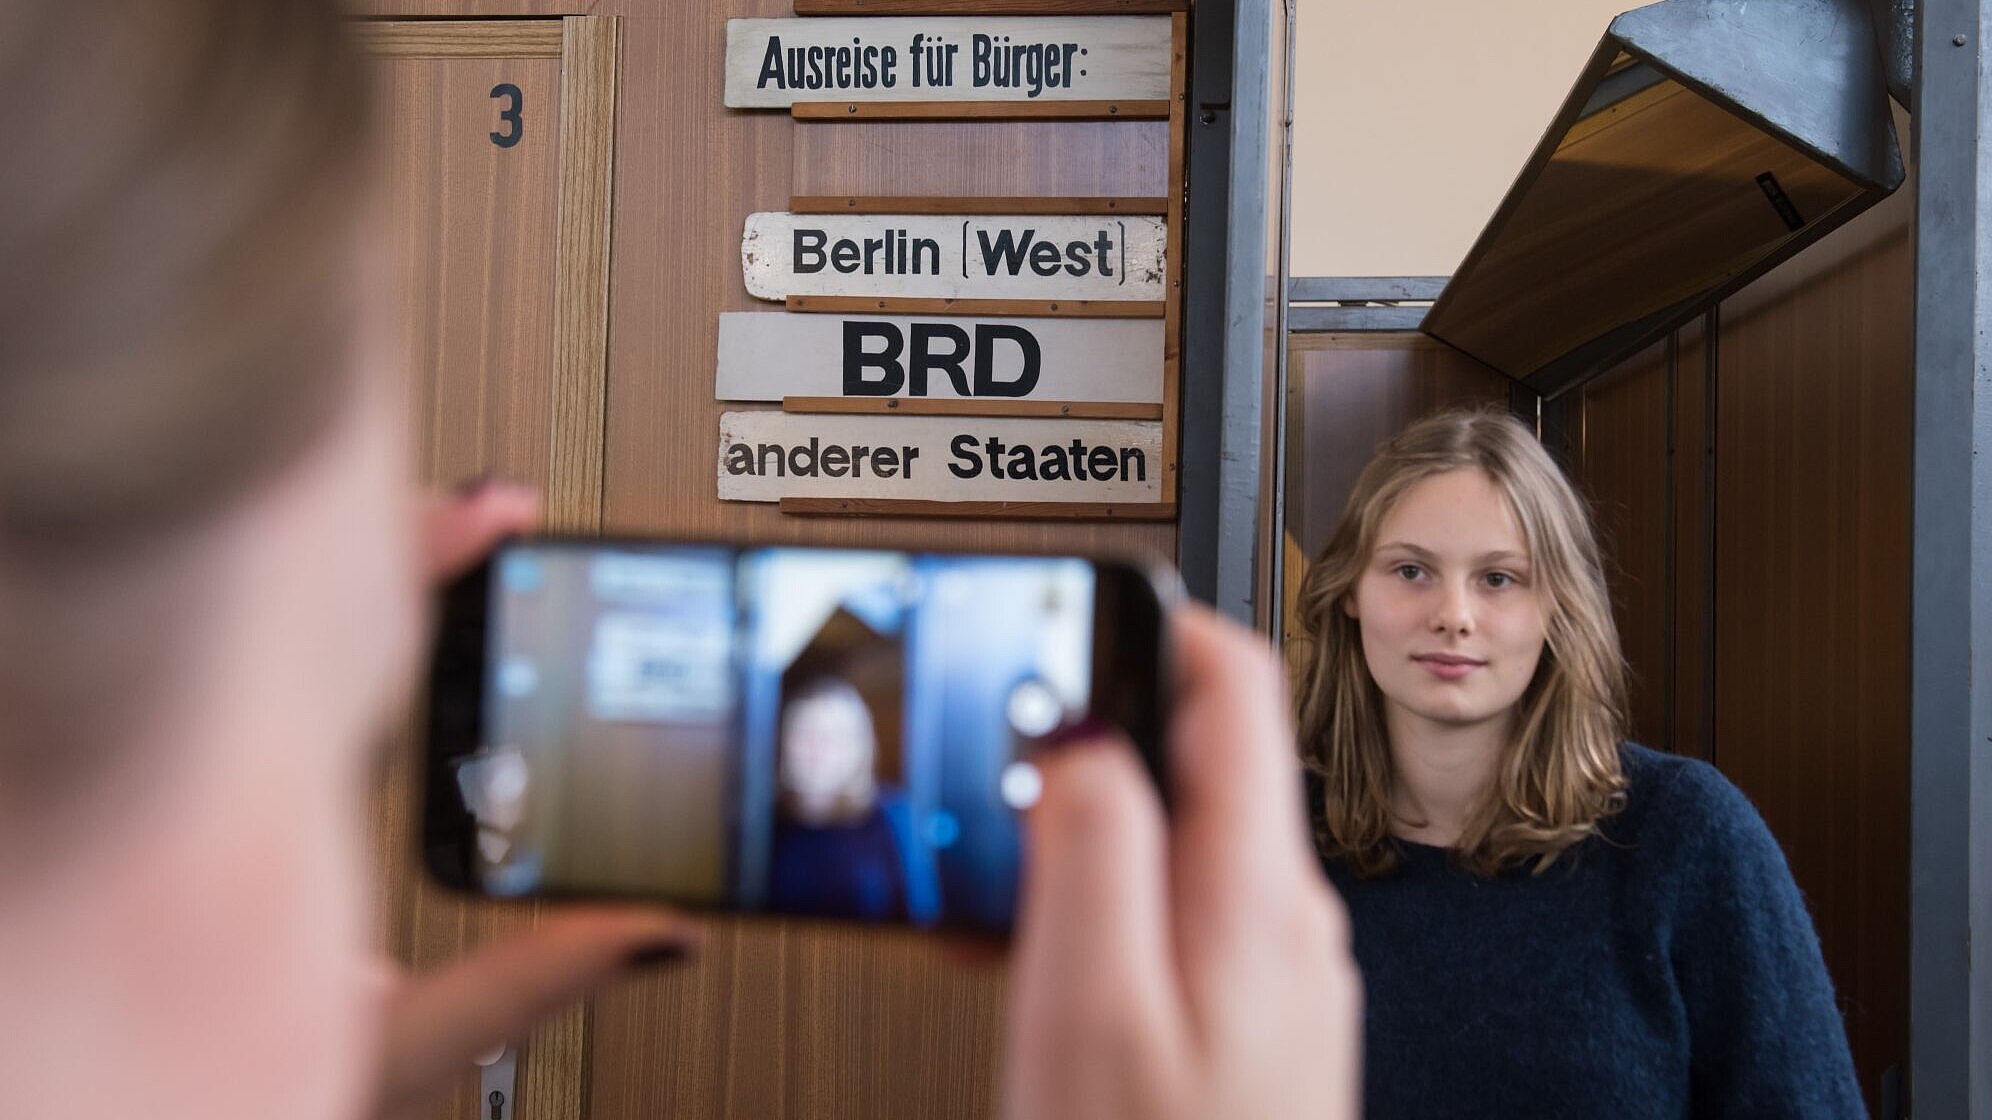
x,y
1812,595
1347,394
1621,457
474,244
779,1019
1784,655
1639,453
1077,158
589,53
488,9
1624,465
1693,513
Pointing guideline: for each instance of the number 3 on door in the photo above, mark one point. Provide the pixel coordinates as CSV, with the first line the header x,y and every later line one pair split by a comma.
x,y
510,115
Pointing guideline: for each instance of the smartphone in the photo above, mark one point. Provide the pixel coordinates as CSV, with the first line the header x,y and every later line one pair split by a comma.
x,y
821,732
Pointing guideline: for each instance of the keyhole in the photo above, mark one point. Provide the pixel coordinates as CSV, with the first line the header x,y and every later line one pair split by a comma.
x,y
497,1100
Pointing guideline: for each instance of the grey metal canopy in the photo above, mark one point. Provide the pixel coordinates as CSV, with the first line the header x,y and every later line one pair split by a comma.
x,y
1704,142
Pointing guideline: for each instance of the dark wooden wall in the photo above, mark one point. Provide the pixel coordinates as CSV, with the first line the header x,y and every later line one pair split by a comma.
x,y
1347,394
1638,446
1794,679
1750,480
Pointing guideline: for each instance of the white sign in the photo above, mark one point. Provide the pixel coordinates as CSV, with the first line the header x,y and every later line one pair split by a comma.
x,y
767,456
765,356
773,63
647,667
942,256
660,653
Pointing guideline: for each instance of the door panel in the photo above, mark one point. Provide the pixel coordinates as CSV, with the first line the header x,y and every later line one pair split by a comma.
x,y
488,240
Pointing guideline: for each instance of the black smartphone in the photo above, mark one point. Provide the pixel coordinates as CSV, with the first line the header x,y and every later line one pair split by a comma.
x,y
822,732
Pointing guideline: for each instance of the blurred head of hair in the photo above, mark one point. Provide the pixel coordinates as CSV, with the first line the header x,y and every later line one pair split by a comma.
x,y
178,303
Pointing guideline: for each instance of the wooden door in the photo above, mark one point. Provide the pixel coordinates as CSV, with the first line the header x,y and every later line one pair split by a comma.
x,y
771,1019
497,153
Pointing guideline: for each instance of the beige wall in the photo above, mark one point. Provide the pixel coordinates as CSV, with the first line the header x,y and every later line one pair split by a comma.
x,y
1411,118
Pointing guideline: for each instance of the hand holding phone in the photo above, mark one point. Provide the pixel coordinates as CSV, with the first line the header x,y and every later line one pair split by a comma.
x,y
1200,968
1190,965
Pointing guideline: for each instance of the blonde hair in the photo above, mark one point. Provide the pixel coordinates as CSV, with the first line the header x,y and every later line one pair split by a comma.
x,y
1560,775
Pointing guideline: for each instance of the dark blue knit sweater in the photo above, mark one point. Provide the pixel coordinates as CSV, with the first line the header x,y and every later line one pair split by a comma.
x,y
1669,969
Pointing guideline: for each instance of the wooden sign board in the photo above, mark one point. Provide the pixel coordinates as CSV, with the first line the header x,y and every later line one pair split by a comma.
x,y
940,256
774,63
768,456
765,356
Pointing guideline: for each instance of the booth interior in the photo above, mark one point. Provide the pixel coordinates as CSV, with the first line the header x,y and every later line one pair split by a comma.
x,y
1749,469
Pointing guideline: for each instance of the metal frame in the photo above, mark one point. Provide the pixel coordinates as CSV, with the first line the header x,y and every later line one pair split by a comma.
x,y
1950,819
1895,35
1225,304
1365,289
1358,317
1742,58
1321,304
1276,574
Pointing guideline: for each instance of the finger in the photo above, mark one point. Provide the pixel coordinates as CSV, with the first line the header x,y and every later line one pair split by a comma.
x,y
1254,914
1096,878
1234,769
1093,968
460,528
437,1024
1245,885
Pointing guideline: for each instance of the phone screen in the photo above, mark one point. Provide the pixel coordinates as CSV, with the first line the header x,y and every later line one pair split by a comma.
x,y
818,732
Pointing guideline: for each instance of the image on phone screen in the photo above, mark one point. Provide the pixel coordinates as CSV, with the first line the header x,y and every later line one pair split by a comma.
x,y
815,732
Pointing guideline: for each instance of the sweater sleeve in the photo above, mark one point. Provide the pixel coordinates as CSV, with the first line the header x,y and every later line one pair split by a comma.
x,y
1766,1039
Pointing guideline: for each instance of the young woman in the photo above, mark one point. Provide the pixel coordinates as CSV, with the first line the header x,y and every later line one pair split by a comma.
x,y
1550,921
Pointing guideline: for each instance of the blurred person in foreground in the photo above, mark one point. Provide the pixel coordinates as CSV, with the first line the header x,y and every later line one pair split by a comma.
x,y
211,567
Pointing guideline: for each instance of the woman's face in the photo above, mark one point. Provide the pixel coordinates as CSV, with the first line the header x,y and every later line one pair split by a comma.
x,y
826,745
1451,616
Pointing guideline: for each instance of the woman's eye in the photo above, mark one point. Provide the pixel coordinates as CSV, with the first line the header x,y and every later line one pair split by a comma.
x,y
1500,579
1409,571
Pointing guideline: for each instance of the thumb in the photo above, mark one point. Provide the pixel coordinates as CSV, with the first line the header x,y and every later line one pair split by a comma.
x,y
1092,997
438,1024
